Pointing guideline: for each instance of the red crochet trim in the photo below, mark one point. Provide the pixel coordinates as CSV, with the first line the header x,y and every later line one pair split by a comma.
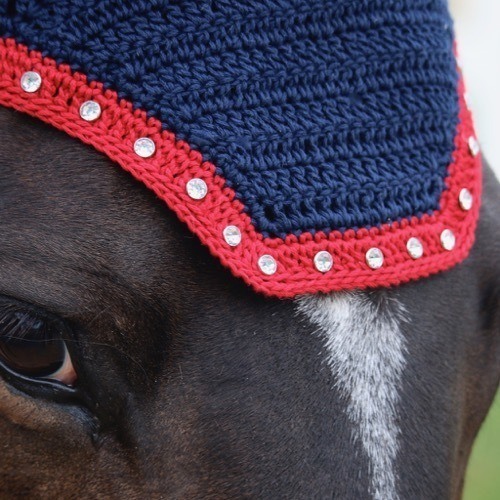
x,y
174,163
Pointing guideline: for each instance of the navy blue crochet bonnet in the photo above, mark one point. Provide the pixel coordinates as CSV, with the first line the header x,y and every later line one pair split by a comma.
x,y
321,116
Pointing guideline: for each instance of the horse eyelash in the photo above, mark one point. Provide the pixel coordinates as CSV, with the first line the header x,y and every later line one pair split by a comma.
x,y
16,324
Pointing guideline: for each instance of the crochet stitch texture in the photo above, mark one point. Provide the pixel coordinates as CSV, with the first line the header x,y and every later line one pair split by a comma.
x,y
320,115
319,128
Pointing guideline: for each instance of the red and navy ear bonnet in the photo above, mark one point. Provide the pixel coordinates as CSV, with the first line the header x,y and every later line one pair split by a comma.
x,y
312,145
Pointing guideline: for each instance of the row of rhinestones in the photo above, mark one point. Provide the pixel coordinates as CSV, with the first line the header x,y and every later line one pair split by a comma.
x,y
323,260
197,189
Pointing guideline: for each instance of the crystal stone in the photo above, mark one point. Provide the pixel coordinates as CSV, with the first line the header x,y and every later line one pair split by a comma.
x,y
31,81
465,199
144,147
375,258
473,146
197,189
267,264
232,235
323,261
90,111
448,239
415,248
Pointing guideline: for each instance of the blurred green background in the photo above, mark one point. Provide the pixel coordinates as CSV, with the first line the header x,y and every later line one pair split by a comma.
x,y
483,475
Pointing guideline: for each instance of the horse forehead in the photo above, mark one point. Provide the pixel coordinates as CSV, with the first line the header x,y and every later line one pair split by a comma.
x,y
365,351
396,366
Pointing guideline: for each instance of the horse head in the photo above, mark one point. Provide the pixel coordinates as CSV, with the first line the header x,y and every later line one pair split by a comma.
x,y
155,371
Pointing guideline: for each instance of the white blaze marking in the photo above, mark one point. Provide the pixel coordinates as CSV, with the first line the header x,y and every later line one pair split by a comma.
x,y
365,351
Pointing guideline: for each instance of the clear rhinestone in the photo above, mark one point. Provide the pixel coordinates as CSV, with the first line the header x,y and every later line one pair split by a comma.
x,y
31,81
465,199
323,261
415,248
197,188
267,264
375,258
144,147
467,100
90,111
474,146
232,235
448,239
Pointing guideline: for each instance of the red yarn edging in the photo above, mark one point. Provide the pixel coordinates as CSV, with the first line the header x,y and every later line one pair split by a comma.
x,y
174,163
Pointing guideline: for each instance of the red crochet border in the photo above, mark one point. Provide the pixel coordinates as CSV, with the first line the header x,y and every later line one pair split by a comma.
x,y
174,163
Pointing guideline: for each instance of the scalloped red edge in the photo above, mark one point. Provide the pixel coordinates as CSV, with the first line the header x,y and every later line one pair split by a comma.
x,y
174,163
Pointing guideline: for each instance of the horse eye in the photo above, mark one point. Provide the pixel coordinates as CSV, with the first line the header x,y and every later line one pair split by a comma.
x,y
32,346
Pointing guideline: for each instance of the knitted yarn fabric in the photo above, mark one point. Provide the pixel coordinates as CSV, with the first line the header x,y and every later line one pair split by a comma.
x,y
325,121
321,114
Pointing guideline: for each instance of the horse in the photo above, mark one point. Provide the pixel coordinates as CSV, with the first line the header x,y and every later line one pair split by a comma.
x,y
192,386
134,364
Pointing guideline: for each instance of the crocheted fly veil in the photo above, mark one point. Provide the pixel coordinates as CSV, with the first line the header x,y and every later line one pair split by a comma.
x,y
312,145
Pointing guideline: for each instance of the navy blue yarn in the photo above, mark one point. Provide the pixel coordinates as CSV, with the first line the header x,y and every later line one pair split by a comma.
x,y
320,114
